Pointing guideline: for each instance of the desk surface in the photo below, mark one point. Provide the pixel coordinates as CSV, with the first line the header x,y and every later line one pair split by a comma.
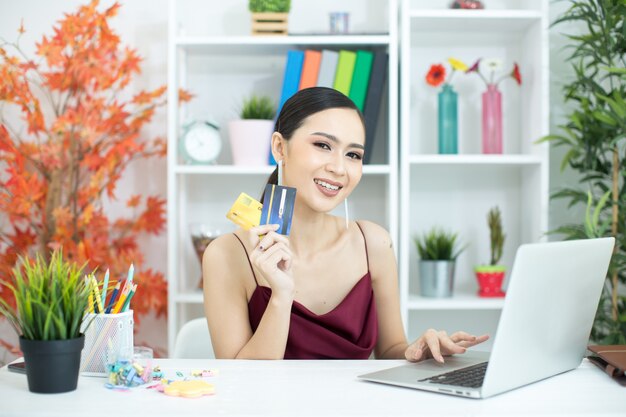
x,y
312,388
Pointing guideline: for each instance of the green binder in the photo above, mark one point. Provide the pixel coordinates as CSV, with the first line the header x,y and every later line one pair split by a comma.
x,y
361,77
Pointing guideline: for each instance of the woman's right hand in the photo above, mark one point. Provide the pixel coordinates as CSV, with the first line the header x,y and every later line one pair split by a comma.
x,y
272,257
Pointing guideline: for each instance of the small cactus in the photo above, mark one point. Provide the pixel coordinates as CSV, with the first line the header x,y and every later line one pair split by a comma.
x,y
496,234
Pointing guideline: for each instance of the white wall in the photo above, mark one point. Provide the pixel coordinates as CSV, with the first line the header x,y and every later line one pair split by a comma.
x,y
142,24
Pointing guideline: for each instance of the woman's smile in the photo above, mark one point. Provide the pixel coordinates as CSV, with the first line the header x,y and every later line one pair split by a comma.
x,y
327,187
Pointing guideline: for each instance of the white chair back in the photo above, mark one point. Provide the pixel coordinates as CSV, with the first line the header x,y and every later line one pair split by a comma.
x,y
194,341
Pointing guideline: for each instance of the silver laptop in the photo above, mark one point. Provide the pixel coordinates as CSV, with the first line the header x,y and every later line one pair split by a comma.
x,y
544,327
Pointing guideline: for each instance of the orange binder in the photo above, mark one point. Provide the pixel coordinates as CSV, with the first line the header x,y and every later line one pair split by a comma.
x,y
310,69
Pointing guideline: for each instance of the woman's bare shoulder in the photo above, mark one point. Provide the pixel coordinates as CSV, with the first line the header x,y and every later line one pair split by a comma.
x,y
226,250
377,237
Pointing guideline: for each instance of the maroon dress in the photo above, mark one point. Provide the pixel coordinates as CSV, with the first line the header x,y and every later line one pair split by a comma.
x,y
349,331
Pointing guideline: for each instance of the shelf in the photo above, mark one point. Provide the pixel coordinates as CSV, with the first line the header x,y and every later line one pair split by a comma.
x,y
263,44
475,160
457,302
473,21
259,170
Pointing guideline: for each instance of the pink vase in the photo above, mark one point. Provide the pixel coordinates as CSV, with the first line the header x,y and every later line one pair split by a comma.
x,y
492,120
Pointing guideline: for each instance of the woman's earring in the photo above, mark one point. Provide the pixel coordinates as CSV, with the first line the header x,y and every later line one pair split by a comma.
x,y
280,172
345,204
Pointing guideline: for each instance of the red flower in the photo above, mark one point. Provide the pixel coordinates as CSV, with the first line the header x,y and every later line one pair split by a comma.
x,y
516,74
436,75
474,68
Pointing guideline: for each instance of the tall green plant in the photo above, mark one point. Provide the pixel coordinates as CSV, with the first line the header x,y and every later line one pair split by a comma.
x,y
496,234
595,136
51,298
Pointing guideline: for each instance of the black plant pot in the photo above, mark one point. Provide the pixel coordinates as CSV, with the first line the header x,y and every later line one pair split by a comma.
x,y
52,366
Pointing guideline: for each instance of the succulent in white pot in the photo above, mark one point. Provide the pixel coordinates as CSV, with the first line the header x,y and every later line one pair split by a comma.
x,y
250,136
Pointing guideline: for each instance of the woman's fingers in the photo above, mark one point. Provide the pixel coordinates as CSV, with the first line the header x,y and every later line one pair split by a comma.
x,y
432,340
475,341
255,234
278,252
415,352
270,239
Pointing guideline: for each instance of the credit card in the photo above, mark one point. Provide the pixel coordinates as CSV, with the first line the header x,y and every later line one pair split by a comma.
x,y
245,212
278,208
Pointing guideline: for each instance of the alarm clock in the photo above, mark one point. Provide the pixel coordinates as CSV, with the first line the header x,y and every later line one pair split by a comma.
x,y
200,143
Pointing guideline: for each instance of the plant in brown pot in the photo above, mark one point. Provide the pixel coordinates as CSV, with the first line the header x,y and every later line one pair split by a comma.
x,y
490,277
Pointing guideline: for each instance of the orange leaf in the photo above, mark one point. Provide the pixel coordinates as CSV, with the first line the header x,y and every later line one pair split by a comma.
x,y
184,95
133,201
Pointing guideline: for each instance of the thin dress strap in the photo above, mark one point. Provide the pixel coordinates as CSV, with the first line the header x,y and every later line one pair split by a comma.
x,y
247,257
367,258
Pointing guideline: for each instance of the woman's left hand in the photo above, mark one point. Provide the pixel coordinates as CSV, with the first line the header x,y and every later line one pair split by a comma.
x,y
437,344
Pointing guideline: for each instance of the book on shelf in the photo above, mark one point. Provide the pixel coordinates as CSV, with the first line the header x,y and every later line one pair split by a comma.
x,y
361,78
373,100
291,78
345,69
310,68
291,83
328,67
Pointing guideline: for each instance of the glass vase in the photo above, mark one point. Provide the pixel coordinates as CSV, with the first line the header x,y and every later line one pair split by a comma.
x,y
492,120
448,120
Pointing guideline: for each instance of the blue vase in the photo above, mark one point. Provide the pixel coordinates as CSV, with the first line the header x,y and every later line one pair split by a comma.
x,y
448,126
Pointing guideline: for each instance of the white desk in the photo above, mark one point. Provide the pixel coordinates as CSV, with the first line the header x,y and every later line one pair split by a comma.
x,y
313,388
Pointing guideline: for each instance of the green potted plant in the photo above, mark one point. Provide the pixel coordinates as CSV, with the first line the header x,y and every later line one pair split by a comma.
x,y
51,299
594,137
269,17
491,276
438,252
251,135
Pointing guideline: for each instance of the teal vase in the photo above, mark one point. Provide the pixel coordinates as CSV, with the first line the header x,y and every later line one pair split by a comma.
x,y
448,120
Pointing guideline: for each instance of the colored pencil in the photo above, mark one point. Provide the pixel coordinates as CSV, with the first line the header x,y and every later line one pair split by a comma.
x,y
121,299
105,287
130,295
96,293
131,272
116,290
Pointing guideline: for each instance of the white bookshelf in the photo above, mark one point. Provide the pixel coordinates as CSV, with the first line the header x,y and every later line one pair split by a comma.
x,y
456,191
211,54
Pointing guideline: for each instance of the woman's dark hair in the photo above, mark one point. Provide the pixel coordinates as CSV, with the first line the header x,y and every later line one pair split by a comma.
x,y
303,104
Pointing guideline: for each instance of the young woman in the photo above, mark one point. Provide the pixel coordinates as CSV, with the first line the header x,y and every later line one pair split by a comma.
x,y
329,289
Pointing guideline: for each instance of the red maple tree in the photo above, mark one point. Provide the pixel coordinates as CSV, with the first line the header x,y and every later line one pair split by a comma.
x,y
75,137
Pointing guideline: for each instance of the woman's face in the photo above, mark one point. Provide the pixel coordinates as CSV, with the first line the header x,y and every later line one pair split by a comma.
x,y
324,158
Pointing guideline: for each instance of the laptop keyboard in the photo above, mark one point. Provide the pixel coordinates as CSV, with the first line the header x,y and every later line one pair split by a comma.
x,y
471,377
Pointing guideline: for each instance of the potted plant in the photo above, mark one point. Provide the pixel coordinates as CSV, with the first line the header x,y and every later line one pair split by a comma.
x,y
593,134
490,277
269,17
251,135
50,303
438,253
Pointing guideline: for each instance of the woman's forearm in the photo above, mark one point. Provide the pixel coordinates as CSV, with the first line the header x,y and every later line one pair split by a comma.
x,y
270,338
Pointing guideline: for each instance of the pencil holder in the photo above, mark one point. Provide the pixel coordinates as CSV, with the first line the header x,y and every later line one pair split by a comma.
x,y
108,333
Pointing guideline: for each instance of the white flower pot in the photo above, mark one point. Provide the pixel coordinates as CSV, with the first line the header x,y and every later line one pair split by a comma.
x,y
250,141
